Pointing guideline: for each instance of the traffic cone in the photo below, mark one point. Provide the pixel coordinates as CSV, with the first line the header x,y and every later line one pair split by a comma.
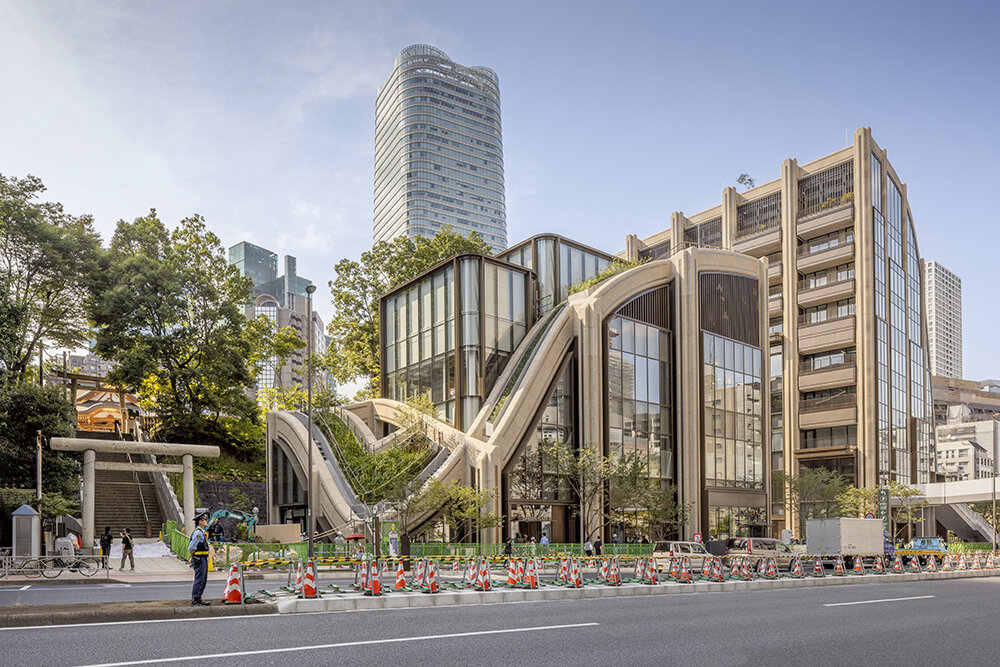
x,y
574,574
385,567
685,571
717,569
364,576
797,568
946,565
520,571
640,569
838,568
229,583
401,578
650,578
590,564
530,575
374,580
961,562
991,562
614,573
932,564
859,567
879,565
897,565
309,582
819,570
914,564
675,568
430,577
772,569
563,570
976,563
418,578
455,566
298,579
735,571
511,573
473,571
485,574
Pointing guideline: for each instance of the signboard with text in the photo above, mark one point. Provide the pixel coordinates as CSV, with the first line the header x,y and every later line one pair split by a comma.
x,y
883,509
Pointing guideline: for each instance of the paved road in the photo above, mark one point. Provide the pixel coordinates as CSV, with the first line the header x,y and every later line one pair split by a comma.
x,y
919,623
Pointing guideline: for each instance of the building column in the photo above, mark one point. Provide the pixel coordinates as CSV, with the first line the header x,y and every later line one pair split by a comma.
x,y
790,330
188,481
89,457
730,201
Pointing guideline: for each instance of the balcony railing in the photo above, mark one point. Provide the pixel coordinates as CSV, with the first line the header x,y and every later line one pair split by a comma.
x,y
844,400
809,284
805,249
810,365
826,190
809,318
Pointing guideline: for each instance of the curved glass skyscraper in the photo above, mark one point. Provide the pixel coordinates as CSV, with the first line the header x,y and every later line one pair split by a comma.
x,y
438,149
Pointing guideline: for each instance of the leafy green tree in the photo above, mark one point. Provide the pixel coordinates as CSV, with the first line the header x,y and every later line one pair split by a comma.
x,y
50,262
356,290
461,506
171,317
271,350
814,492
907,511
26,409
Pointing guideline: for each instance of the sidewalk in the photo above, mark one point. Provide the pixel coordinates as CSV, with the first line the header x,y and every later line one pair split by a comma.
x,y
110,612
147,570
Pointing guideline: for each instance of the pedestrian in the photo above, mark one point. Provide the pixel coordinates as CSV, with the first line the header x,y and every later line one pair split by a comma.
x,y
106,540
544,540
127,545
198,548
588,548
216,533
508,548
645,539
597,546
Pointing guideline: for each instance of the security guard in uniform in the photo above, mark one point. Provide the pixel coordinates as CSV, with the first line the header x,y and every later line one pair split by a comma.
x,y
198,548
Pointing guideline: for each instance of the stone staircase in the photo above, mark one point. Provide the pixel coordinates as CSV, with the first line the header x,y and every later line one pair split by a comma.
x,y
117,501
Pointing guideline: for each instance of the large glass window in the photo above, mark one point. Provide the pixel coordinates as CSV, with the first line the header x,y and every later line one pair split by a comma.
x,y
734,448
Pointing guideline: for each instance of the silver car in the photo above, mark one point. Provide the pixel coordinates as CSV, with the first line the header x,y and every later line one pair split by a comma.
x,y
694,551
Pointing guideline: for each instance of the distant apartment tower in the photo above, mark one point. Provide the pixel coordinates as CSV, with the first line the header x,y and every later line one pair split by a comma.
x,y
282,299
944,320
438,150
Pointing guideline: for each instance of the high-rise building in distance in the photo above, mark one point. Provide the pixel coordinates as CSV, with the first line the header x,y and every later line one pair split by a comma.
x,y
438,149
944,319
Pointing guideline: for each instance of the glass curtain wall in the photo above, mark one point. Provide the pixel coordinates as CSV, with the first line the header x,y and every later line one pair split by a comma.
x,y
558,263
640,413
539,499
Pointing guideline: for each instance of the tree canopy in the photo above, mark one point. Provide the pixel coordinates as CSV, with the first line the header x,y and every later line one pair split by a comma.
x,y
50,262
171,318
26,409
353,351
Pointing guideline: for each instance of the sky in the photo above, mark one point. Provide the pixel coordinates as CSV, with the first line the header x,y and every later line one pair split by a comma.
x,y
260,115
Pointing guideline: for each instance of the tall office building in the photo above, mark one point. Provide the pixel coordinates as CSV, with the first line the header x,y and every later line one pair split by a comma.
x,y
943,291
282,299
438,149
850,379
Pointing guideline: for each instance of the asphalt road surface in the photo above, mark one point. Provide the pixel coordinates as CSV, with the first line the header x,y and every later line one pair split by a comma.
x,y
913,623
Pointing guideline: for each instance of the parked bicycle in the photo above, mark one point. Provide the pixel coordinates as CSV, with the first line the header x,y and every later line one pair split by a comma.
x,y
54,566
23,566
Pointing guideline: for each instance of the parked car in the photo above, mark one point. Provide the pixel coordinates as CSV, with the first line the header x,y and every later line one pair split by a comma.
x,y
758,549
695,552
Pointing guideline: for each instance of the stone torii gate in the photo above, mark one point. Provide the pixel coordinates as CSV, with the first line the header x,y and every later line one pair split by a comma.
x,y
90,465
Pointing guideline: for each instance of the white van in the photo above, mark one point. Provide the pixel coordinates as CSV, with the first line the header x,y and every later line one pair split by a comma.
x,y
694,551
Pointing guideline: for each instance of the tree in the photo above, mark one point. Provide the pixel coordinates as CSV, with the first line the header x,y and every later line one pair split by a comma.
x,y
460,506
814,492
171,318
271,350
909,510
26,409
50,262
746,180
353,351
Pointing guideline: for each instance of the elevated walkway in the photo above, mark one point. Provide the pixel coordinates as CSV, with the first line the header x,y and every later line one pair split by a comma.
x,y
950,501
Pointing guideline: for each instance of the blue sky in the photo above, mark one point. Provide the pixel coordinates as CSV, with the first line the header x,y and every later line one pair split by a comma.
x,y
260,116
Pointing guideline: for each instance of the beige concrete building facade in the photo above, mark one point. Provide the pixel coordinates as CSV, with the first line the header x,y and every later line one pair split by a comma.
x,y
850,384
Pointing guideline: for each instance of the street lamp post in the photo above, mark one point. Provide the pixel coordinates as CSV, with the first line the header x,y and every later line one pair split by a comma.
x,y
310,523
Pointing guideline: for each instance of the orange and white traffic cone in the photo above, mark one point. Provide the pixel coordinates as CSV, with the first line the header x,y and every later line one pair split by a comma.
x,y
675,568
818,569
530,574
652,577
456,566
976,563
365,573
432,577
772,569
603,574
685,577
745,572
640,569
590,564
961,562
717,569
231,581
914,564
838,568
374,581
879,565
734,573
897,565
309,583
797,568
859,567
419,576
400,578
563,570
575,580
946,565
614,573
519,564
511,573
932,564
298,580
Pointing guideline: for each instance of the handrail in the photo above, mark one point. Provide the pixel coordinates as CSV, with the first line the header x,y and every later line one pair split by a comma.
x,y
805,320
836,401
850,359
805,286
805,248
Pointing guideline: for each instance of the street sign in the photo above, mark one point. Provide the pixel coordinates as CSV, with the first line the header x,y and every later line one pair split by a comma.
x,y
869,515
883,508
697,538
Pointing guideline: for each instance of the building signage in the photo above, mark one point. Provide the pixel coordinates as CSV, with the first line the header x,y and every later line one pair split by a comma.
x,y
883,508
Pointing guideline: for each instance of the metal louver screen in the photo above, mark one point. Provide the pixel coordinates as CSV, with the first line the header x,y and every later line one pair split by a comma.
x,y
730,306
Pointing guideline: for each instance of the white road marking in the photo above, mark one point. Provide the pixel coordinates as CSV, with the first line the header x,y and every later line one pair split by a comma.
x,y
24,588
845,604
342,645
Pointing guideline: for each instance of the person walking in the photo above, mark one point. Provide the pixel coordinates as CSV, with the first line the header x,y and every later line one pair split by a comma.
x,y
588,548
597,546
127,545
106,540
198,548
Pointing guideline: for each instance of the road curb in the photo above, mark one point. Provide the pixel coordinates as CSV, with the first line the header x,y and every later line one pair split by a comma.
x,y
358,602
111,612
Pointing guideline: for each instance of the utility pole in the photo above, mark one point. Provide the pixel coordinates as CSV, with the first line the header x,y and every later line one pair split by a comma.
x,y
310,517
38,470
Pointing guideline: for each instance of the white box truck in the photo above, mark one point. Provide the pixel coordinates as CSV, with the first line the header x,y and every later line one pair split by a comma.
x,y
845,537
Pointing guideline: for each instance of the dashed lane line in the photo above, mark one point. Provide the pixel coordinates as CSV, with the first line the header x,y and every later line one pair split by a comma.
x,y
846,604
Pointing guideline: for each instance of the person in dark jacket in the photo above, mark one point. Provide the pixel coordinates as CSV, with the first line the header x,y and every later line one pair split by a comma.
x,y
198,548
597,546
106,540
